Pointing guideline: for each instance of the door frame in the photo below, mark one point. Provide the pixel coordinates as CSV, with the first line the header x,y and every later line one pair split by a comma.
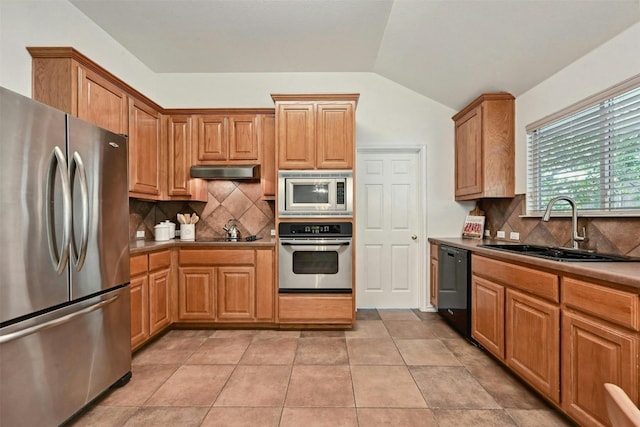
x,y
421,151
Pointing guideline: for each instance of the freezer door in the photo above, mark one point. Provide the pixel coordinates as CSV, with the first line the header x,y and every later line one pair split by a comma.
x,y
99,257
31,279
54,364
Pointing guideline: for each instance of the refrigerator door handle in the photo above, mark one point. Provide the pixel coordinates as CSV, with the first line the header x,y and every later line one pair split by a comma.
x,y
77,167
56,322
58,163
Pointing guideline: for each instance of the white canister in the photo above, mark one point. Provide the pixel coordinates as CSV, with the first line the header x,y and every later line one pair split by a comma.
x,y
161,232
172,229
188,232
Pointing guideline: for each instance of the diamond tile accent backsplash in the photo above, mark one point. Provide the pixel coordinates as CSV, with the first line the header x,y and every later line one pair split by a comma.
x,y
607,235
226,200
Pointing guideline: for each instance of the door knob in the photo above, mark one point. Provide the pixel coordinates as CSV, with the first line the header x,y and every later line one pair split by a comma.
x,y
414,237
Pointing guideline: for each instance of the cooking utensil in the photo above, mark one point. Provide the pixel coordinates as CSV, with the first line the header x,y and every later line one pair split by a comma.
x,y
181,219
233,233
187,218
194,219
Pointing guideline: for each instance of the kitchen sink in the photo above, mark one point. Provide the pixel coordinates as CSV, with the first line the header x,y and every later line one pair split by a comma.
x,y
559,254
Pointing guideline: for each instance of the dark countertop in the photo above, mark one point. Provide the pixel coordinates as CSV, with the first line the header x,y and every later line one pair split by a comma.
x,y
142,246
621,273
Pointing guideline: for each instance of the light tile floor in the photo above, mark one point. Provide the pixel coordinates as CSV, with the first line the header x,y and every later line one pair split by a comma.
x,y
395,368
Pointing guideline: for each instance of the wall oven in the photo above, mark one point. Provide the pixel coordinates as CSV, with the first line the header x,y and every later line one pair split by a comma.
x,y
315,257
315,193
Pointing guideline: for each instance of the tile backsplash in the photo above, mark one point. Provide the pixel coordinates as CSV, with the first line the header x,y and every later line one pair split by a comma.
x,y
226,200
619,235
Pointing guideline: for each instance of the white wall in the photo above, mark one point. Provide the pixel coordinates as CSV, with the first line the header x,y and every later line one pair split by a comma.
x,y
606,66
387,112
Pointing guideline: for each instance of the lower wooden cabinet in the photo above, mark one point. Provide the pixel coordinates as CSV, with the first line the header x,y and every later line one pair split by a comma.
x,y
433,275
159,297
226,285
487,315
533,341
236,293
196,298
139,309
600,345
315,308
564,336
150,295
594,354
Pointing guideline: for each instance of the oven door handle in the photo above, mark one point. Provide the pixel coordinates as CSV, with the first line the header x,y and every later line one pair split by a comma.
x,y
317,243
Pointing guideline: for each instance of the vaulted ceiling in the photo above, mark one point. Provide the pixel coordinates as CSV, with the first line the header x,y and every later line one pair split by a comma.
x,y
447,50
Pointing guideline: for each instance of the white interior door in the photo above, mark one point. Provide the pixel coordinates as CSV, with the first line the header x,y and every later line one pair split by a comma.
x,y
391,228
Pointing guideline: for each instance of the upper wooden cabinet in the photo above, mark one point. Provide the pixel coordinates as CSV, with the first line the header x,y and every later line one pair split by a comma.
x,y
101,102
179,143
67,80
315,131
485,148
160,149
223,139
144,150
267,142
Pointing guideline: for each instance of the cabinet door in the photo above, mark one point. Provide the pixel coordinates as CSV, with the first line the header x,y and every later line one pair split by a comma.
x,y
179,155
236,293
265,286
334,136
593,354
533,342
295,136
213,139
433,283
468,155
144,150
101,102
159,296
243,137
487,315
268,170
139,310
196,286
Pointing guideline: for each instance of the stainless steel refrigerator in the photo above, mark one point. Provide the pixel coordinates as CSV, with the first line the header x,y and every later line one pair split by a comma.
x,y
64,266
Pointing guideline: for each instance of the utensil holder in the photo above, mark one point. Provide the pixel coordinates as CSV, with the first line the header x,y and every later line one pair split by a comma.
x,y
188,232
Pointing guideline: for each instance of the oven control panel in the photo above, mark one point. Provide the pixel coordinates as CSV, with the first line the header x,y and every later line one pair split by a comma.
x,y
310,229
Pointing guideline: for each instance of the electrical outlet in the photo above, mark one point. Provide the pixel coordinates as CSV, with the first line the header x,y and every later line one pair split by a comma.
x,y
514,235
500,235
140,234
273,232
487,233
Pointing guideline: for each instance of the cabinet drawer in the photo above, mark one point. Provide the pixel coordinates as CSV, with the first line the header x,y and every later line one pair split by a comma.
x,y
159,260
540,283
617,306
138,264
213,257
315,309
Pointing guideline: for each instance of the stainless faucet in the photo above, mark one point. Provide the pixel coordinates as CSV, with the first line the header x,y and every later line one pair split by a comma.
x,y
575,238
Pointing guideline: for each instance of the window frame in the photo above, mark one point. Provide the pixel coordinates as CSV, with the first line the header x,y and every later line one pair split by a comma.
x,y
599,99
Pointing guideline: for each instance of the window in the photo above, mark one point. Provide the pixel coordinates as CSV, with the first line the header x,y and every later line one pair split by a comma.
x,y
590,152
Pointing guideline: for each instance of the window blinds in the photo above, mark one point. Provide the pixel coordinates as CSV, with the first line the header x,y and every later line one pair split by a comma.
x,y
591,154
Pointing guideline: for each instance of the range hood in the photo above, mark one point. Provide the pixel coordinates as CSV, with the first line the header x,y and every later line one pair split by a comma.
x,y
226,172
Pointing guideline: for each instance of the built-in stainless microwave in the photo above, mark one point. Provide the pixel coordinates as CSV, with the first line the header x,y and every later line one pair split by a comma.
x,y
315,193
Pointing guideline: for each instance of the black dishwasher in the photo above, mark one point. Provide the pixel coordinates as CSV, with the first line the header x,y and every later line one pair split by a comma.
x,y
454,288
